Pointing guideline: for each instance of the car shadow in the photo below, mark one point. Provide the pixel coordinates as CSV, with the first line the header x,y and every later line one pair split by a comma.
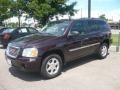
x,y
28,76
79,62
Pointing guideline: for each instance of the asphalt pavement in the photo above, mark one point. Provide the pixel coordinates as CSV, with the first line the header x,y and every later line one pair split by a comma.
x,y
88,73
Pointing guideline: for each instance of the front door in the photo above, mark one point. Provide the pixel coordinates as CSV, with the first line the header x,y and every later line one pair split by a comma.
x,y
75,40
81,40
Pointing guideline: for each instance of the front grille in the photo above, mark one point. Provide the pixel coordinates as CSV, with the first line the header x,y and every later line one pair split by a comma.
x,y
13,51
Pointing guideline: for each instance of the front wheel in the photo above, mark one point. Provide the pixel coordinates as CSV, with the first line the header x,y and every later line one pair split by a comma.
x,y
51,66
103,51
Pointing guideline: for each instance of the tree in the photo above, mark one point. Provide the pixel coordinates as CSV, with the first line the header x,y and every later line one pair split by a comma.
x,y
4,10
103,17
18,7
43,10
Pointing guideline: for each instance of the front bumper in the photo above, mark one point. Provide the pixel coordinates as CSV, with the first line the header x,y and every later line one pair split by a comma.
x,y
24,64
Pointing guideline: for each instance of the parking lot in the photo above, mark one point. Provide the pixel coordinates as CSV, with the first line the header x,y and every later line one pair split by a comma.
x,y
88,73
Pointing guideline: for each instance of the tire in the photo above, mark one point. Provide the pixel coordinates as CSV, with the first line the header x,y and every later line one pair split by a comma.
x,y
103,51
51,66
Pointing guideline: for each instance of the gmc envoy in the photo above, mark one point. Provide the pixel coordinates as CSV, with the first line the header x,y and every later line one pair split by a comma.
x,y
58,43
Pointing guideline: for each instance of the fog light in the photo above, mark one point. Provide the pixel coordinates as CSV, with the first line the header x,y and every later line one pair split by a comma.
x,y
32,59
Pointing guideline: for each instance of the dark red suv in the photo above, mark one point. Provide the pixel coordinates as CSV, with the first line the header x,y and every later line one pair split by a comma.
x,y
58,43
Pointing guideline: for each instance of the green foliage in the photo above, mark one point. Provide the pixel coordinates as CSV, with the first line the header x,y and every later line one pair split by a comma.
x,y
115,39
103,17
18,7
43,10
4,10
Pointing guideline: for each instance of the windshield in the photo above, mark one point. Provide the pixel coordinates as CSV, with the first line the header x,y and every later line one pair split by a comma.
x,y
56,29
8,30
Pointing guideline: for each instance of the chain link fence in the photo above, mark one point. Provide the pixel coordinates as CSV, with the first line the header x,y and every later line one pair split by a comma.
x,y
115,41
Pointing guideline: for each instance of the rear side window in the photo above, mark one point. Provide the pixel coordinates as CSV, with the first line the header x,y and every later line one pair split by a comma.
x,y
97,25
103,25
93,26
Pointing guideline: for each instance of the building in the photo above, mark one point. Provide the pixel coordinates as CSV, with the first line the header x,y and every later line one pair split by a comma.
x,y
114,25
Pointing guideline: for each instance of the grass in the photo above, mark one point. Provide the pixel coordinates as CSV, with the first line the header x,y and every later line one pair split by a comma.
x,y
115,39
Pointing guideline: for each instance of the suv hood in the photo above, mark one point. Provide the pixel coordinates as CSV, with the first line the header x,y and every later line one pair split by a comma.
x,y
32,40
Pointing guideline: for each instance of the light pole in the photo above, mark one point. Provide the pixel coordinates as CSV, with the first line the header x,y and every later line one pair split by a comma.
x,y
81,12
89,8
19,18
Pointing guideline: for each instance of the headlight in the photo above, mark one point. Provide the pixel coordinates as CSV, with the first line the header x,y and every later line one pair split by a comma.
x,y
30,52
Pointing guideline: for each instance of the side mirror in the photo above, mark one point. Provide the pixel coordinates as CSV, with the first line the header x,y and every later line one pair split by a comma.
x,y
74,33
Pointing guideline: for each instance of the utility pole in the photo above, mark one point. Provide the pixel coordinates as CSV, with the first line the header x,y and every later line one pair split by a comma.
x,y
19,21
81,12
89,8
19,18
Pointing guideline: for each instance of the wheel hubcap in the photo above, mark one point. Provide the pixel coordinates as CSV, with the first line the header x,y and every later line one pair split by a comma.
x,y
104,51
52,66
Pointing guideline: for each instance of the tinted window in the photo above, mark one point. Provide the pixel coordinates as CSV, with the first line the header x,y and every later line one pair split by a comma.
x,y
23,30
93,26
97,25
9,30
1,30
80,26
103,25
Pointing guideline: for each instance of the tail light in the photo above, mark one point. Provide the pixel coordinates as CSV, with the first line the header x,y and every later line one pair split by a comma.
x,y
7,36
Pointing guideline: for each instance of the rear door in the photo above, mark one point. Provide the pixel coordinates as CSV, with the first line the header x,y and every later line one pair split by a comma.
x,y
91,40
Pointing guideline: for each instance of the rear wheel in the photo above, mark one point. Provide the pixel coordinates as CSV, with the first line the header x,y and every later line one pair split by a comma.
x,y
103,51
51,66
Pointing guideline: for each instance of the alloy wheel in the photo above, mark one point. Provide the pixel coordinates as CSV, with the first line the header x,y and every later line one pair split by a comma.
x,y
52,66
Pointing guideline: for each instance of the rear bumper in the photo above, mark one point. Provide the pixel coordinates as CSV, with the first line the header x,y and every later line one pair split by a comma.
x,y
25,64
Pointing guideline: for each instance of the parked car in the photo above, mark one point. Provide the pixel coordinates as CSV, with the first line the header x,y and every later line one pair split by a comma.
x,y
2,29
10,34
59,42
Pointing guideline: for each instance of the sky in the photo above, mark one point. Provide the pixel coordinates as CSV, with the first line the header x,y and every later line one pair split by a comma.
x,y
111,8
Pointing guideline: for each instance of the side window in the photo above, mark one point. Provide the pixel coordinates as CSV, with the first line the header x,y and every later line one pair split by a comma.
x,y
22,30
32,30
79,27
103,25
93,26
